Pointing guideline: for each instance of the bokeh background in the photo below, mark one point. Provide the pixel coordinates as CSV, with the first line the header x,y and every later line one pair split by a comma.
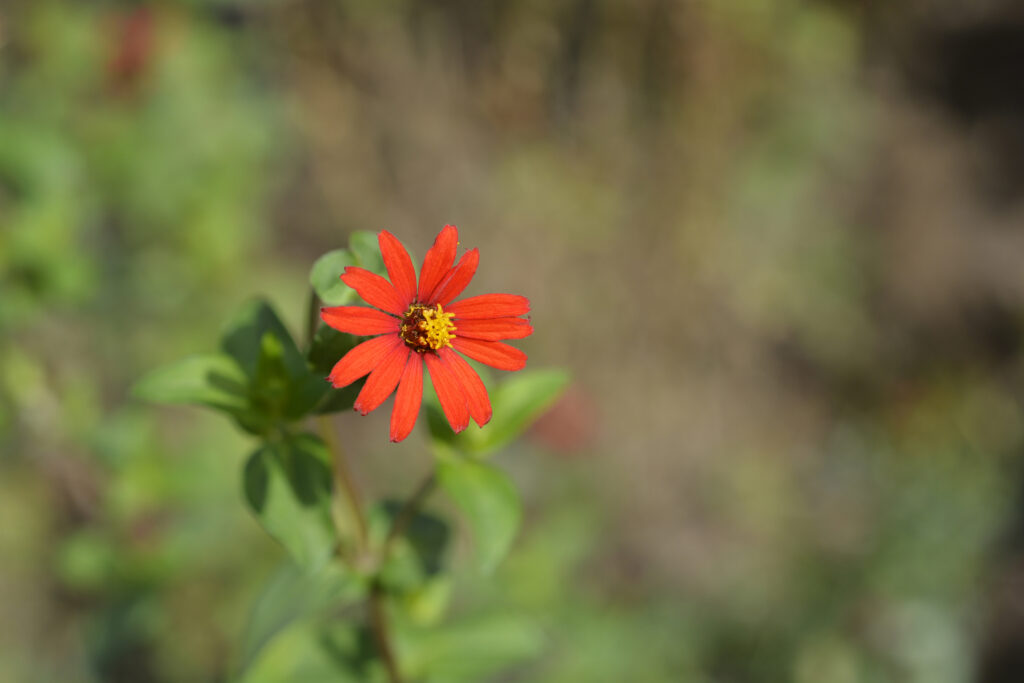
x,y
779,245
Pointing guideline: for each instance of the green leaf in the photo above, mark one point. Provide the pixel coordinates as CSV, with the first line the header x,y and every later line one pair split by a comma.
x,y
426,605
418,552
313,652
213,380
330,345
282,383
427,534
288,486
305,394
270,384
245,336
517,403
292,595
261,378
441,431
474,649
488,499
327,348
325,278
353,651
366,249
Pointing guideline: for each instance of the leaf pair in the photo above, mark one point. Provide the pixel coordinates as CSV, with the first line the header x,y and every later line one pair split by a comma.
x,y
260,377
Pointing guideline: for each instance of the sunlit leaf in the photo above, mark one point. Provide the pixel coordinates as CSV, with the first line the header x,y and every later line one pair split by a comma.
x,y
288,486
366,249
325,278
311,652
213,380
426,605
470,650
488,499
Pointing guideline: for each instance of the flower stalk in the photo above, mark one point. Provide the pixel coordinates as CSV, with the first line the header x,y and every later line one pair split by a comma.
x,y
345,482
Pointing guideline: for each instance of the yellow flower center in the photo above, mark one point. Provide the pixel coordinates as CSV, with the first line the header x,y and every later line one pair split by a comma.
x,y
427,329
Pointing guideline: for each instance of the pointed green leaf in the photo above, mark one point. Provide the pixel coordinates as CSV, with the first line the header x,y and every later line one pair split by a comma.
x,y
213,380
270,385
288,487
280,390
488,499
282,383
245,336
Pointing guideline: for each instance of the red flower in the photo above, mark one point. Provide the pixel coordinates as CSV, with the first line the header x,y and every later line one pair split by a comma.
x,y
420,325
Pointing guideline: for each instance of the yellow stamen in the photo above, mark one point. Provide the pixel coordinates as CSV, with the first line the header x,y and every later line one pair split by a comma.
x,y
438,327
427,329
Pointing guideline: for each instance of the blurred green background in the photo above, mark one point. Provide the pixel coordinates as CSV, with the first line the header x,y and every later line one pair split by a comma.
x,y
777,243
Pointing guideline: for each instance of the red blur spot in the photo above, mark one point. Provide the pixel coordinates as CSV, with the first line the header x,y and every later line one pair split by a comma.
x,y
569,426
131,50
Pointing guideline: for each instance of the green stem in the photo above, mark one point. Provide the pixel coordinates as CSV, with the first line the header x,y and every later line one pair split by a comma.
x,y
344,481
312,317
382,632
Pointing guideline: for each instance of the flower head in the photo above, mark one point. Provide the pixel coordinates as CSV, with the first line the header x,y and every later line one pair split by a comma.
x,y
419,323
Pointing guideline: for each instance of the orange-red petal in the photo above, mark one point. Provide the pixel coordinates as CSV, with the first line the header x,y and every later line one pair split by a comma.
x,y
374,289
383,380
358,320
494,329
495,354
449,391
477,401
407,398
489,306
399,265
362,359
457,279
438,261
